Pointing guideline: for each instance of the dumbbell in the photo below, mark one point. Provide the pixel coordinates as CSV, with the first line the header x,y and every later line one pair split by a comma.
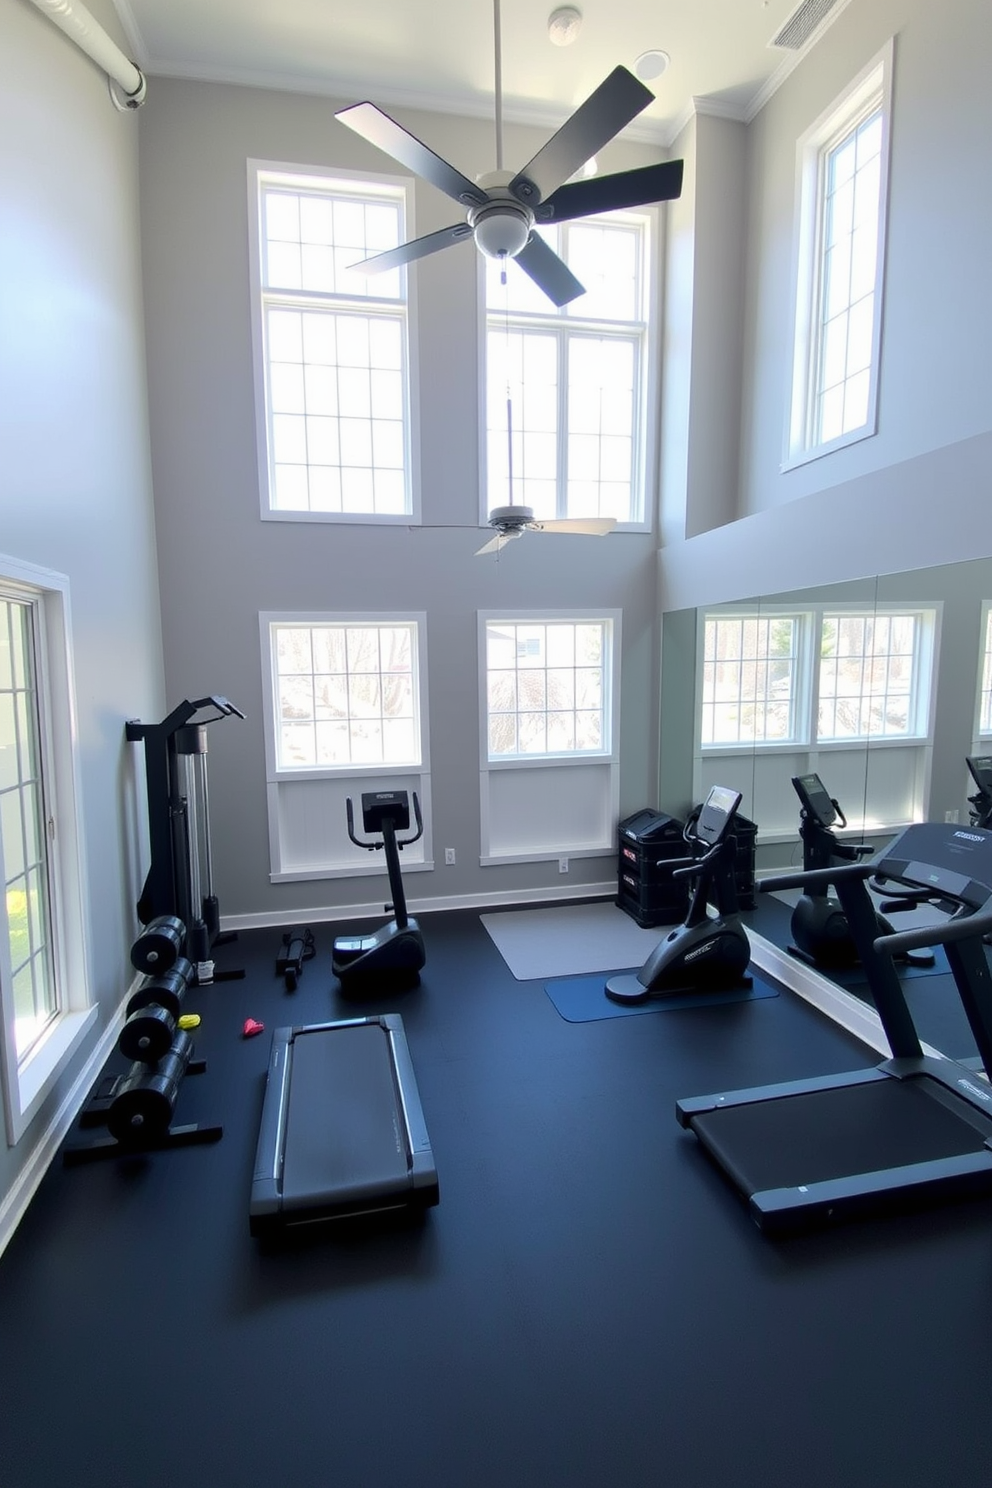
x,y
152,1014
159,946
142,1108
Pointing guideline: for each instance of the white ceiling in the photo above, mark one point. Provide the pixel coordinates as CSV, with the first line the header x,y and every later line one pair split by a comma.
x,y
439,54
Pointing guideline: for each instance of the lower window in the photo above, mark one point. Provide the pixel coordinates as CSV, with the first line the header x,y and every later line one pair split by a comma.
x,y
549,765
343,714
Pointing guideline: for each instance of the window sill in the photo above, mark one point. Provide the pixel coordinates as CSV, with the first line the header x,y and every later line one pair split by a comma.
x,y
38,1074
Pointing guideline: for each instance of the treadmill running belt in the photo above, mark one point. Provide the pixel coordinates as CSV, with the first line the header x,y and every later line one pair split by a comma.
x,y
343,1129
834,1133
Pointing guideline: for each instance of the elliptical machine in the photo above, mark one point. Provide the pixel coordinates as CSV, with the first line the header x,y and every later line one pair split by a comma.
x,y
705,953
820,931
393,955
980,767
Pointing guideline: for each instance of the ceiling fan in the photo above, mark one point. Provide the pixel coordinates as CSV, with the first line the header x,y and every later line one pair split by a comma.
x,y
502,207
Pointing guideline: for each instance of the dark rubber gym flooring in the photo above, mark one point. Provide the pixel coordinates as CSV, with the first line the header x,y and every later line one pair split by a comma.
x,y
931,995
590,1305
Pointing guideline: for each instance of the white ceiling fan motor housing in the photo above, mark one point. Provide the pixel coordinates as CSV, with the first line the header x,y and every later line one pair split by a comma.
x,y
502,224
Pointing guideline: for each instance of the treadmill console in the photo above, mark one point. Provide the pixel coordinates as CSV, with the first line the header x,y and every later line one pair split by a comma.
x,y
950,860
716,814
814,800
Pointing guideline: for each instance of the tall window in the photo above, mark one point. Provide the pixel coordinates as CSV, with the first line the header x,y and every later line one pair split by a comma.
x,y
750,681
331,349
345,695
548,688
26,911
44,998
843,171
567,389
985,688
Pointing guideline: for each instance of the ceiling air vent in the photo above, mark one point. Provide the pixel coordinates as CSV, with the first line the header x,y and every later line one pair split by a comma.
x,y
802,23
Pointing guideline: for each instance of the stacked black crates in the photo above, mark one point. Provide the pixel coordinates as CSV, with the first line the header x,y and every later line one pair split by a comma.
x,y
746,832
647,844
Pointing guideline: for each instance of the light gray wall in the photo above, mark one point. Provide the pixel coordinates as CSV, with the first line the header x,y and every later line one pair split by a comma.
x,y
75,488
220,564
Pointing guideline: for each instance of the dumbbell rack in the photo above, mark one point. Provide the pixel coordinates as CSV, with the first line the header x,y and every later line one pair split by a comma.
x,y
137,1106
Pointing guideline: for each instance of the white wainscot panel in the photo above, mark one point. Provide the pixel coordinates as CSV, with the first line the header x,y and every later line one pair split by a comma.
x,y
549,811
309,824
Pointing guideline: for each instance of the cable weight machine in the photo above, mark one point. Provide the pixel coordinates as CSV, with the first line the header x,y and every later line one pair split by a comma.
x,y
178,889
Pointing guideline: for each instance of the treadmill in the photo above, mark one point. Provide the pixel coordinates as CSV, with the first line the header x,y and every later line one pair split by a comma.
x,y
912,1130
342,1132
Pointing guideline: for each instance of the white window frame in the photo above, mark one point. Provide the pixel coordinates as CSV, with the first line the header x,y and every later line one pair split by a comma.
x,y
325,787
763,770
871,88
983,727
569,320
26,1083
800,735
922,691
399,189
598,770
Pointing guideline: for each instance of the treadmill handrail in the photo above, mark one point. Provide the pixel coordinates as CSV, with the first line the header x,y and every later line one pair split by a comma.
x,y
816,878
958,927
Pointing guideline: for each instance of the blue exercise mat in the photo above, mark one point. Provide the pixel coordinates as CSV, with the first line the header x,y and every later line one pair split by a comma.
x,y
583,999
852,977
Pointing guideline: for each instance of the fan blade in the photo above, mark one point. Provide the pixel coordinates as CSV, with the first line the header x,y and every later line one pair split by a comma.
x,y
605,112
406,253
495,543
633,188
591,526
548,271
379,129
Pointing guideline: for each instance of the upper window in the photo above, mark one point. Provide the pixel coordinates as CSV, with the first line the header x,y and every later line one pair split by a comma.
x,y
843,171
568,388
345,694
331,349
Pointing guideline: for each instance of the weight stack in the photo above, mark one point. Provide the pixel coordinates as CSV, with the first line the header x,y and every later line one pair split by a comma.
x,y
648,843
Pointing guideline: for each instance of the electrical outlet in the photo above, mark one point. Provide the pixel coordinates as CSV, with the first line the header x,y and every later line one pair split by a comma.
x,y
951,816
449,857
562,865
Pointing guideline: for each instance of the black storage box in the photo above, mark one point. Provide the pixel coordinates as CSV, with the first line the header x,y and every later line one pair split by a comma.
x,y
647,844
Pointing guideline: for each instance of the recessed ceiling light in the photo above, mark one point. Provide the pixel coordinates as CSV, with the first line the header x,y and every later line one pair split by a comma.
x,y
564,25
651,65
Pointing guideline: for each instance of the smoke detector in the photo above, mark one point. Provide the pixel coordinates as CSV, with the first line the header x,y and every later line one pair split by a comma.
x,y
564,25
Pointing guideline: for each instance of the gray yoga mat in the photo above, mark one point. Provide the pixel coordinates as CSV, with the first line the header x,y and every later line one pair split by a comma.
x,y
570,940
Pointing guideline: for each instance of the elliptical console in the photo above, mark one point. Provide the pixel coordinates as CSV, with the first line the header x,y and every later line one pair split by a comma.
x,y
705,953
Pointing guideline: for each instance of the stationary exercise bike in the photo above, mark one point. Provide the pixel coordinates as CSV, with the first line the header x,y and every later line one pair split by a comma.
x,y
706,953
393,955
820,932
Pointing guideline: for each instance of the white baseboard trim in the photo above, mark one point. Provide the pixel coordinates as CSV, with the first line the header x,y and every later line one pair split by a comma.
x,y
46,1144
839,1006
267,919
